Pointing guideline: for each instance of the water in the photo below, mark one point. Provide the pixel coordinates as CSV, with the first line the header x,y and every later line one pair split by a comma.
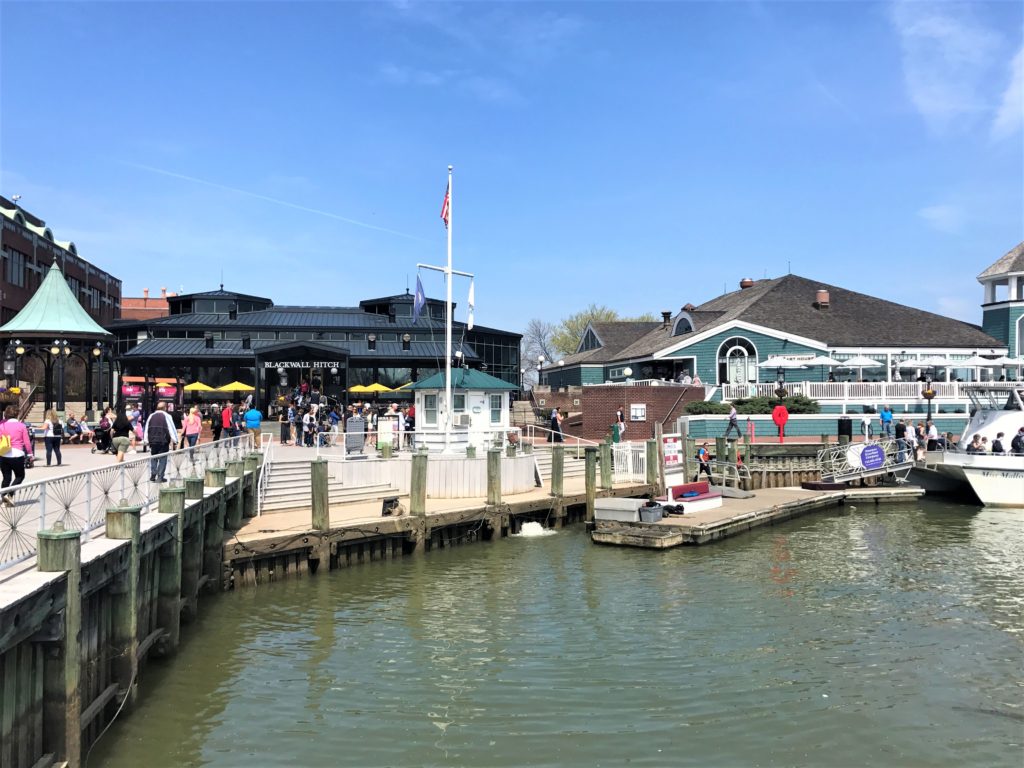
x,y
867,638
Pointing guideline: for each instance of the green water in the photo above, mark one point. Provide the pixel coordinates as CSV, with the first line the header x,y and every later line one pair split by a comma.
x,y
865,638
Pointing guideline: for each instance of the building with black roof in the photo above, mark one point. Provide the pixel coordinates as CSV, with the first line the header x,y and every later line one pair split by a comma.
x,y
220,336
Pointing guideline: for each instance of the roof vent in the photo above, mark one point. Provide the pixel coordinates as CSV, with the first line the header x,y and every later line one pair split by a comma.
x,y
821,299
233,312
666,319
208,338
246,341
688,308
745,283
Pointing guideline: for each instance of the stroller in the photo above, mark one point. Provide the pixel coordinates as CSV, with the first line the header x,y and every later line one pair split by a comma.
x,y
101,439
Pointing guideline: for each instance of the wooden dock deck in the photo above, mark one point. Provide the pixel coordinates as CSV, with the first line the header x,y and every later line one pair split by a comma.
x,y
735,516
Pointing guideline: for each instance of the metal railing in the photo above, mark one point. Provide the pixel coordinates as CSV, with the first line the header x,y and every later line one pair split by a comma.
x,y
547,436
333,445
80,500
629,462
839,463
267,449
875,391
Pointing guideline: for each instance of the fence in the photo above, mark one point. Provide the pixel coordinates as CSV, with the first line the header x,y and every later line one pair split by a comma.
x,y
629,462
79,501
873,391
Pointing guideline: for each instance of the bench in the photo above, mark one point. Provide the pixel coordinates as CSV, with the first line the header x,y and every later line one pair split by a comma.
x,y
705,498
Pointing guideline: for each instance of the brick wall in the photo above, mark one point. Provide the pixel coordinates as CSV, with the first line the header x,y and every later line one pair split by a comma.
x,y
600,404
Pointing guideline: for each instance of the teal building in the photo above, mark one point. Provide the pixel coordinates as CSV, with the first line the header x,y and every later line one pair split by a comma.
x,y
1003,310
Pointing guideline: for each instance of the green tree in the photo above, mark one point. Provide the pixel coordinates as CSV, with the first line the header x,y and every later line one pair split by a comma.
x,y
567,334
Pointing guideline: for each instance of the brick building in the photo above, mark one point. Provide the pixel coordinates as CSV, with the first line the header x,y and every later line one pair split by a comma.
x,y
146,307
28,247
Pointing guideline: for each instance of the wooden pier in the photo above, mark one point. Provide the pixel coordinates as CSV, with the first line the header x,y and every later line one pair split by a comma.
x,y
767,507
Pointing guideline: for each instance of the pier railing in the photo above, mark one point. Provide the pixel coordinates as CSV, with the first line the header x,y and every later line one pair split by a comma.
x,y
872,391
852,461
79,501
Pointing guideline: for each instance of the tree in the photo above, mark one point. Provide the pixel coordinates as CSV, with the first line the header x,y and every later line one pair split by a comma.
x,y
566,336
536,341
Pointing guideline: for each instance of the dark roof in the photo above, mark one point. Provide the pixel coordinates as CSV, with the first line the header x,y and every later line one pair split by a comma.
x,y
232,348
614,336
1011,261
465,378
220,293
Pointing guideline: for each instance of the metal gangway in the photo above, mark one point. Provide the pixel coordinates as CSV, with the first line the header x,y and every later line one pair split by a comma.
x,y
854,461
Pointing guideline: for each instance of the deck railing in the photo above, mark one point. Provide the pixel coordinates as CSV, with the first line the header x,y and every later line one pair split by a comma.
x,y
872,391
80,500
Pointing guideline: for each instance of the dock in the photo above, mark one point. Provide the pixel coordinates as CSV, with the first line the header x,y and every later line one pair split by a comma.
x,y
736,516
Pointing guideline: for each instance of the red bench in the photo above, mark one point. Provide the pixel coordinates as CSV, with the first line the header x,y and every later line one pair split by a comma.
x,y
705,498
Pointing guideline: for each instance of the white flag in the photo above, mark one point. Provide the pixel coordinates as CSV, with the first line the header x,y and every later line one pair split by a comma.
x,y
471,302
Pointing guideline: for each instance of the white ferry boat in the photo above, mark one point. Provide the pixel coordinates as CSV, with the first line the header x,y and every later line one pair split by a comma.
x,y
997,480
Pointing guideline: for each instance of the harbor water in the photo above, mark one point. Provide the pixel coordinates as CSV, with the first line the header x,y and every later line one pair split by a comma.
x,y
859,637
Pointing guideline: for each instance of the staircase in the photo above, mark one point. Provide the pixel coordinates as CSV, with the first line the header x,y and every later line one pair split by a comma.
x,y
289,487
572,467
37,411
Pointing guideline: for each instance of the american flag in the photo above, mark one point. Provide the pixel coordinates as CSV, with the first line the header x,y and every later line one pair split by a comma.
x,y
446,206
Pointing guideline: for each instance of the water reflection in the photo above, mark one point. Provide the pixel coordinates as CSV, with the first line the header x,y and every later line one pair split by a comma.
x,y
885,636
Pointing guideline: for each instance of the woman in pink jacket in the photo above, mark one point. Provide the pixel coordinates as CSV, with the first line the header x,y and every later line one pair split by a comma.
x,y
12,463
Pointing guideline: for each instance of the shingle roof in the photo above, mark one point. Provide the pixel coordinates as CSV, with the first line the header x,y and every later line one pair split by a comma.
x,y
466,378
232,348
54,309
1011,261
615,336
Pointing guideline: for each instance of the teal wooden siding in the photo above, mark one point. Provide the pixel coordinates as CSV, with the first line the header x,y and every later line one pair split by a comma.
x,y
996,322
709,427
706,352
592,375
568,376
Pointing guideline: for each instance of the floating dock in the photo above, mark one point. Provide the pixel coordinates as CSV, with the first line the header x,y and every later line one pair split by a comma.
x,y
736,516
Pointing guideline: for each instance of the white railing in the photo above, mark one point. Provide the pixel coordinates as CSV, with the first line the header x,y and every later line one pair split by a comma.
x,y
839,463
332,445
548,437
873,391
80,500
629,462
267,449
641,383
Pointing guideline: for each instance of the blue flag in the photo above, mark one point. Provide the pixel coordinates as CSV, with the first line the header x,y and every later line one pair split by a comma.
x,y
420,300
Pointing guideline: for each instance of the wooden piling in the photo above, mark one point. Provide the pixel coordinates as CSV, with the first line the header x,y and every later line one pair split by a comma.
x,y
61,550
386,450
236,506
213,529
123,523
253,464
493,476
470,451
193,488
172,502
590,474
652,462
606,465
321,503
558,469
418,486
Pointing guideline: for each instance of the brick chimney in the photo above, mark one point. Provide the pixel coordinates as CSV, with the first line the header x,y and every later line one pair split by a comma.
x,y
745,283
821,300
666,319
145,296
163,292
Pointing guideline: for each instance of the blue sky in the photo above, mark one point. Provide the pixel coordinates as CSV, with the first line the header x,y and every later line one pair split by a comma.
x,y
636,155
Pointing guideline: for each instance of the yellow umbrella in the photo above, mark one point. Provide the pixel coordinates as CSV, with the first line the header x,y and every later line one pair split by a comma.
x,y
198,386
376,387
236,386
404,386
359,388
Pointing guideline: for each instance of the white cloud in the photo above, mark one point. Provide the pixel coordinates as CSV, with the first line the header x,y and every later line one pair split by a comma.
x,y
948,58
1010,115
944,218
493,90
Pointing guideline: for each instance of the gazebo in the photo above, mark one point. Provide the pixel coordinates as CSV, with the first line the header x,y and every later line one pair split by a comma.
x,y
54,327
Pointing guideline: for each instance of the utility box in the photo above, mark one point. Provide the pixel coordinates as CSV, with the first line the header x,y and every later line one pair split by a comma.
x,y
355,434
618,510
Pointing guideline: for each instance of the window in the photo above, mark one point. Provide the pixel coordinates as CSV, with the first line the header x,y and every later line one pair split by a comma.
x,y
638,412
682,326
617,373
589,341
430,410
737,361
459,403
15,272
496,408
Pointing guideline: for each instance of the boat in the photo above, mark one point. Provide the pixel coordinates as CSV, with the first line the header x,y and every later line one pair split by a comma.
x,y
997,480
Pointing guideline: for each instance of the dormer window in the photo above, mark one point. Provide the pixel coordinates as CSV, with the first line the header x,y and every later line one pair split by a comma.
x,y
590,341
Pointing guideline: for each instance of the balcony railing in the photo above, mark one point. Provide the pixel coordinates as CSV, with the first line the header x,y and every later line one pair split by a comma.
x,y
873,391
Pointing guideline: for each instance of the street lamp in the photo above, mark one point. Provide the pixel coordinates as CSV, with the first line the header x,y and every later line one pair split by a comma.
x,y
522,373
60,350
627,372
540,369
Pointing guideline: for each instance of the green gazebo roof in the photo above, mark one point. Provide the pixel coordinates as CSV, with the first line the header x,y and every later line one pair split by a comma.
x,y
464,378
53,309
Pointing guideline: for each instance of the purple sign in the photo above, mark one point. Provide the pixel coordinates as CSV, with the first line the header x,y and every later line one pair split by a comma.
x,y
872,457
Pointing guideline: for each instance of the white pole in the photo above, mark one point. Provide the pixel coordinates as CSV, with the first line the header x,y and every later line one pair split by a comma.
x,y
448,327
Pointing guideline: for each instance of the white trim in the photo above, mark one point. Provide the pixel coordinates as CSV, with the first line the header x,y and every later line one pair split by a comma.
x,y
719,356
590,327
750,327
1020,343
683,315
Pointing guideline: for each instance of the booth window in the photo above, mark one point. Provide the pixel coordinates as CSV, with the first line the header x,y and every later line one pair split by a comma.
x,y
430,409
496,409
459,403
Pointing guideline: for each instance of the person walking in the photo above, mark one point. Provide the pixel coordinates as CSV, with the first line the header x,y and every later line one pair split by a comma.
x,y
53,436
216,425
160,434
253,424
620,420
15,438
885,419
901,441
559,418
193,426
121,430
733,423
704,463
227,421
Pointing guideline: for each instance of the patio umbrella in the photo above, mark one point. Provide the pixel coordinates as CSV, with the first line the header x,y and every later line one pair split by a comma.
x,y
783,363
935,361
975,362
860,362
822,361
1003,360
404,386
198,386
359,388
377,388
236,386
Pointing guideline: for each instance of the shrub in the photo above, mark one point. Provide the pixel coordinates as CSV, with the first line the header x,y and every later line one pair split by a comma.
x,y
755,405
704,407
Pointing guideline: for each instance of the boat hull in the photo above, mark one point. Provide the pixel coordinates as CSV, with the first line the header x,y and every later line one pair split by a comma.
x,y
997,481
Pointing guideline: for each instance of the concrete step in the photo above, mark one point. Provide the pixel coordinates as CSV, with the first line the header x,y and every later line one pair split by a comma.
x,y
299,500
333,491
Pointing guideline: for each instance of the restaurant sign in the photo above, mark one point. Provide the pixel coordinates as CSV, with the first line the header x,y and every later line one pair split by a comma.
x,y
307,364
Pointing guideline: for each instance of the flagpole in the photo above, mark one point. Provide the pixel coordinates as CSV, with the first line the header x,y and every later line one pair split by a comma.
x,y
448,328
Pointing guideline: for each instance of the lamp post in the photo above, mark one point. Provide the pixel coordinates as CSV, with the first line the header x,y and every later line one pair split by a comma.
x,y
59,351
522,374
540,369
928,394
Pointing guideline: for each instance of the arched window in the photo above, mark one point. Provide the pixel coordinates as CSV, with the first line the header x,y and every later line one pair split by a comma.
x,y
683,325
737,361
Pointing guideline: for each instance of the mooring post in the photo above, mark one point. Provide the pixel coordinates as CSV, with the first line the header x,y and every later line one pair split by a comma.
x,y
213,543
690,467
606,465
253,464
825,441
123,523
418,484
493,476
558,469
386,450
321,504
193,488
844,439
192,547
659,439
590,468
172,502
652,462
721,456
61,550
236,507
746,449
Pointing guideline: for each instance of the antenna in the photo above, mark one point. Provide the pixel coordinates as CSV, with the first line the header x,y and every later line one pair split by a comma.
x,y
789,267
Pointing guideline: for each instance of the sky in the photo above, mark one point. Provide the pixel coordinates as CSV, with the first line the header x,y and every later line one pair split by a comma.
x,y
636,155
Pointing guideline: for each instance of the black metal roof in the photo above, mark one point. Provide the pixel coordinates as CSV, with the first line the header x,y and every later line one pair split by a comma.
x,y
232,349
